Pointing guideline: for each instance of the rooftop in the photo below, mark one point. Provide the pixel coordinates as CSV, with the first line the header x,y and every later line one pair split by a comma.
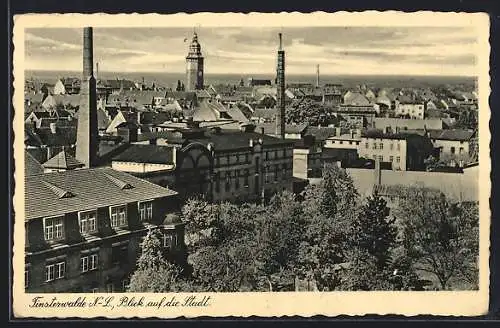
x,y
153,154
78,190
63,160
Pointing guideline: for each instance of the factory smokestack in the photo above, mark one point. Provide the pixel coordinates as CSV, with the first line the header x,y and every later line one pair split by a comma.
x,y
317,76
280,113
87,133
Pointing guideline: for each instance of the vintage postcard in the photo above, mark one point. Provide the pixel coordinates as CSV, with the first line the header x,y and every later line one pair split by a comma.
x,y
251,164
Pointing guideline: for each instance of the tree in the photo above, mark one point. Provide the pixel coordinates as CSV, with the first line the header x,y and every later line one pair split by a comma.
x,y
374,232
329,210
308,111
440,237
154,273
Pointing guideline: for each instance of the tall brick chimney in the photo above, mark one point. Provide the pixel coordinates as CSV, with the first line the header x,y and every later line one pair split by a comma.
x,y
280,112
87,133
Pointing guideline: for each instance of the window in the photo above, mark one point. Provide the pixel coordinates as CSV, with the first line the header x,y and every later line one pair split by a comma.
x,y
146,211
247,158
118,216
398,159
452,150
276,170
284,153
245,177
119,254
54,228
169,240
367,145
398,147
391,146
257,165
55,271
391,159
88,263
381,158
87,221
381,145
276,154
374,146
26,277
267,155
341,142
461,150
228,160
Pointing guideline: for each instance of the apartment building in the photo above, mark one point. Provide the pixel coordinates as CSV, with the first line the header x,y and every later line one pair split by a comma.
x,y
404,151
84,227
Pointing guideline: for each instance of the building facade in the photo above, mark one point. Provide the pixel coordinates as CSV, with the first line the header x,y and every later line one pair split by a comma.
x,y
402,151
414,110
80,240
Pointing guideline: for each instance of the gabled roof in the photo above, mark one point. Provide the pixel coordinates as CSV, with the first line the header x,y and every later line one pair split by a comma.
x,y
41,201
453,134
270,128
63,160
31,165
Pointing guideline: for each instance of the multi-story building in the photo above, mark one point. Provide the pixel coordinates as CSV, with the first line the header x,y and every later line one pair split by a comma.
x,y
411,109
80,240
456,147
221,164
194,66
404,151
307,159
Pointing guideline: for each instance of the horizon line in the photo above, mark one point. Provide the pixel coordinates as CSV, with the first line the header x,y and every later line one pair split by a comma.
x,y
256,73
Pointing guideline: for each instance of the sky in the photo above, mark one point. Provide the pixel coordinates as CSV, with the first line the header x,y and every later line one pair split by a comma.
x,y
445,51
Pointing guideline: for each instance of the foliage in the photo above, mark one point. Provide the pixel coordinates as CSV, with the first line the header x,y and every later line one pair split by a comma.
x,y
308,111
440,237
329,209
154,273
374,232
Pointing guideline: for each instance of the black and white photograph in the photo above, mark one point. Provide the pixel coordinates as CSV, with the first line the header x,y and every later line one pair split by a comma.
x,y
204,159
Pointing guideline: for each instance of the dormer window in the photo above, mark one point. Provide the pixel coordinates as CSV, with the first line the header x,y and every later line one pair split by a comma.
x,y
87,221
53,228
118,216
146,211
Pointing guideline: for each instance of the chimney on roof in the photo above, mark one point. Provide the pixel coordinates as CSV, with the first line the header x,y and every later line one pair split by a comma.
x,y
262,130
338,131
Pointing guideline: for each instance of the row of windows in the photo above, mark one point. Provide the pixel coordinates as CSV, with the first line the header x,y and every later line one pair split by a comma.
x,y
391,158
341,142
88,263
235,175
54,227
245,158
381,146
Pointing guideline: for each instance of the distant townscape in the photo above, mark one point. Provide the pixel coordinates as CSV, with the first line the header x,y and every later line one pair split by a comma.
x,y
260,185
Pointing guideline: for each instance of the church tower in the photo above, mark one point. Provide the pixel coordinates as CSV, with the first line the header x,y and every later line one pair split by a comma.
x,y
87,132
194,66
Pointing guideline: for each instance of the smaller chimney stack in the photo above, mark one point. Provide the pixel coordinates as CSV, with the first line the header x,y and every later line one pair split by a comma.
x,y
317,76
281,41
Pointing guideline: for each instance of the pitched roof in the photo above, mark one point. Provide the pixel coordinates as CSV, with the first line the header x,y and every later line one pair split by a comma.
x,y
41,200
137,153
64,136
63,160
31,165
320,133
452,134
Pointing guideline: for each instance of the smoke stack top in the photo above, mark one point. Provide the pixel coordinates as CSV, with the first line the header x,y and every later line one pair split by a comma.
x,y
281,41
88,52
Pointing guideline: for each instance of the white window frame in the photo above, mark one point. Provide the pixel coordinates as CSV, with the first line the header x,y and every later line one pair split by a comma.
x,y
168,237
146,213
86,222
120,220
56,231
55,271
89,263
